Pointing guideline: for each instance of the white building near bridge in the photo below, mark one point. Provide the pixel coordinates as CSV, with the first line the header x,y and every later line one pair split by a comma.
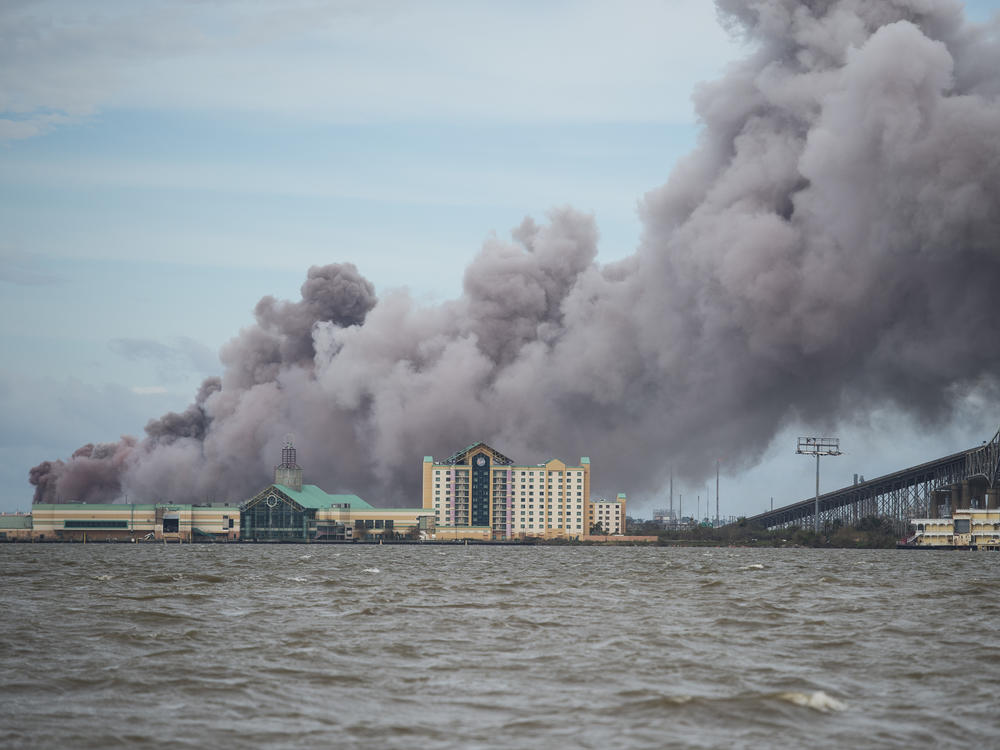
x,y
968,528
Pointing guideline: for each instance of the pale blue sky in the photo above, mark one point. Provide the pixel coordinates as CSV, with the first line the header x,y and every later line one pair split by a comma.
x,y
162,170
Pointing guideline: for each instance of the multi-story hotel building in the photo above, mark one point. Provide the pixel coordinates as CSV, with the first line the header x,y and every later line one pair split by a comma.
x,y
480,493
610,514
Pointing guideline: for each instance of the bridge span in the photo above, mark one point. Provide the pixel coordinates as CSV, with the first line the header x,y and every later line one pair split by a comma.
x,y
968,479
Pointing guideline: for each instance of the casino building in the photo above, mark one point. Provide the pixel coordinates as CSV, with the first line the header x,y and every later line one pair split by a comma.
x,y
479,493
289,511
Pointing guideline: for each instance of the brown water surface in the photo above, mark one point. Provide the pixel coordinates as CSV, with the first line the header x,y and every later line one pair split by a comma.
x,y
107,645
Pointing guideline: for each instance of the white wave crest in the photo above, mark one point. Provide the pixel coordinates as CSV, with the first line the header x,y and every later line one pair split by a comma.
x,y
372,570
817,700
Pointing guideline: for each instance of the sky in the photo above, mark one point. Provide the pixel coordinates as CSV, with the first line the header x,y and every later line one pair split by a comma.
x,y
164,167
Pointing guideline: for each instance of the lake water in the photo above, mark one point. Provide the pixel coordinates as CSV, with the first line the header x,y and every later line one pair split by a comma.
x,y
107,645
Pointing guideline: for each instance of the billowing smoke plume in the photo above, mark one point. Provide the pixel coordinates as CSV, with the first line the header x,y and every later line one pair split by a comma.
x,y
832,244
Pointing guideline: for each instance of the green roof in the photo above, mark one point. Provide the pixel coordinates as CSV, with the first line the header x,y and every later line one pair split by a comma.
x,y
312,496
15,522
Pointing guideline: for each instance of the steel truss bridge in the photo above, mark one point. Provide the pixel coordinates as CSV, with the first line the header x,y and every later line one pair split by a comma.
x,y
970,478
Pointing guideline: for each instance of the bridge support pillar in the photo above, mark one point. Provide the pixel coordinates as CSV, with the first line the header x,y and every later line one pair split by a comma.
x,y
966,495
956,497
993,498
938,499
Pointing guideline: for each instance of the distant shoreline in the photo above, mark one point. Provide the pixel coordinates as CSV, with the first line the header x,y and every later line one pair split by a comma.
x,y
398,542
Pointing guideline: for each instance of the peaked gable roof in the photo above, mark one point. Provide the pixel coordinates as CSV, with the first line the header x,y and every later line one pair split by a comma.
x,y
310,496
462,456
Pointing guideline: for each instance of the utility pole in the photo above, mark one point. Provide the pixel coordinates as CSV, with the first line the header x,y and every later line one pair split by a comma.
x,y
818,446
672,519
717,461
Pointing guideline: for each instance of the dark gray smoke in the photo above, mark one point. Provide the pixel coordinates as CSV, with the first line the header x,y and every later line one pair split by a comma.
x,y
831,245
93,474
192,423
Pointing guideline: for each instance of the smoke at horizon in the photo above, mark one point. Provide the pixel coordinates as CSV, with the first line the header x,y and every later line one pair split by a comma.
x,y
830,246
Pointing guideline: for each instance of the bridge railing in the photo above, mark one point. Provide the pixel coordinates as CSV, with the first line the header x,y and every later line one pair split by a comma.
x,y
985,461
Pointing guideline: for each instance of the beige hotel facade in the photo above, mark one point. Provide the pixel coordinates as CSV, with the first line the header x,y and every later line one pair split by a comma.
x,y
479,493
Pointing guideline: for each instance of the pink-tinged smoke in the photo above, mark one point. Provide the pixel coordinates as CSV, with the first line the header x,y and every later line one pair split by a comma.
x,y
831,245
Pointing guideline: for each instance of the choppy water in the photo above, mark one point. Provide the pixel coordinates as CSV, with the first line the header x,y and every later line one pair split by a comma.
x,y
460,647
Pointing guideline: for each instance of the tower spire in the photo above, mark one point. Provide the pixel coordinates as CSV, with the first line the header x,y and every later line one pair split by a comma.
x,y
288,472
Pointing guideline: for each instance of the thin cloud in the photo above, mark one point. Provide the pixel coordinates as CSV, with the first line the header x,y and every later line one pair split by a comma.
x,y
25,269
356,63
148,390
173,361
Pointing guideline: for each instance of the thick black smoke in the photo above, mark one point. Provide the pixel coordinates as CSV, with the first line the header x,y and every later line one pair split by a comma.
x,y
830,245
